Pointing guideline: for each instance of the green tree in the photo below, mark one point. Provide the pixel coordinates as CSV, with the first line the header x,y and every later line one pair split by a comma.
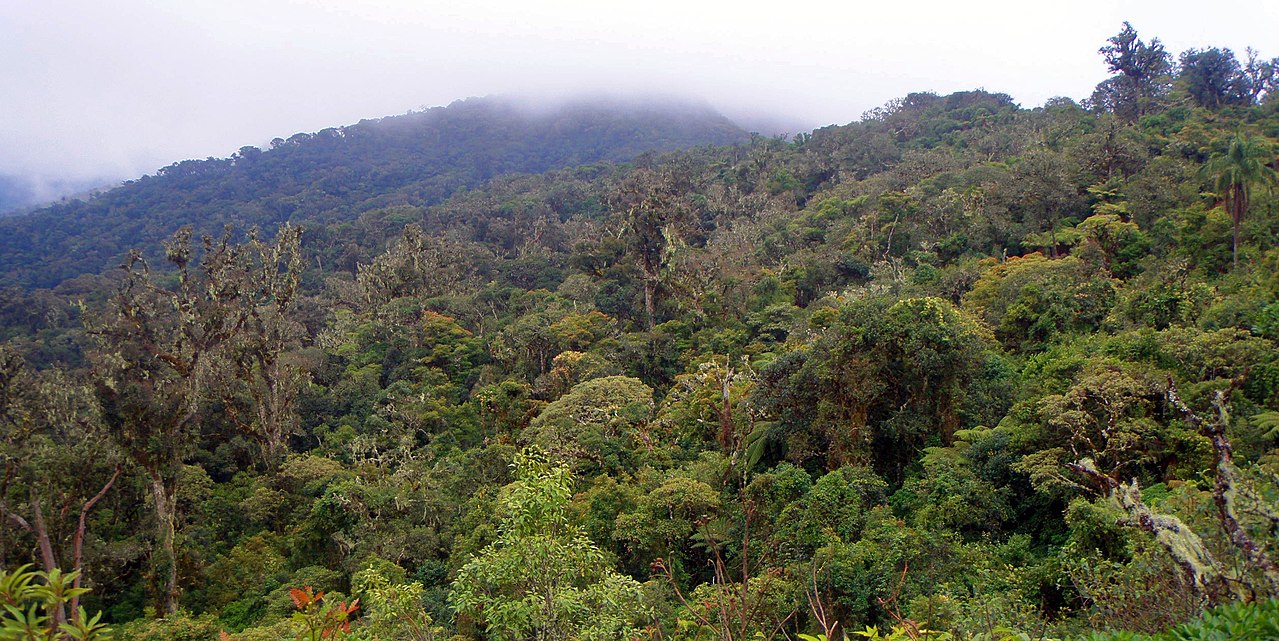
x,y
1030,300
1213,78
415,264
1234,174
1107,419
655,214
1142,69
48,427
598,423
709,403
157,356
543,578
888,378
665,521
262,367
393,609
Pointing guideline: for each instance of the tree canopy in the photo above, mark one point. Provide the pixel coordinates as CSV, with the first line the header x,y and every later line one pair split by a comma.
x,y
959,366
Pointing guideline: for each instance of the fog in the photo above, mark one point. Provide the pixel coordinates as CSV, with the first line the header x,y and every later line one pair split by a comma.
x,y
93,89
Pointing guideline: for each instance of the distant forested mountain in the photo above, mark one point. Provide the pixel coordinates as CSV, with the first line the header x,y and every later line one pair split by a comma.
x,y
334,174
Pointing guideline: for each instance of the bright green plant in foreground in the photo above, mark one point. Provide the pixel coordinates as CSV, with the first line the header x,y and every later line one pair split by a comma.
x,y
35,608
1234,621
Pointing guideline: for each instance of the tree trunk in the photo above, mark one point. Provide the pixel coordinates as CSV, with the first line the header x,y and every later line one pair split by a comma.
x,y
47,558
1235,243
1224,493
650,294
1237,205
1206,574
41,532
1225,489
726,428
77,544
166,567
269,411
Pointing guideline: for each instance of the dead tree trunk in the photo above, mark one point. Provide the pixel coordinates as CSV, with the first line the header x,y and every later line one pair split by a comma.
x,y
1206,574
1225,490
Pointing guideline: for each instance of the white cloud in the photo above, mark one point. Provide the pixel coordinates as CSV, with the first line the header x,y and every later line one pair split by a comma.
x,y
88,87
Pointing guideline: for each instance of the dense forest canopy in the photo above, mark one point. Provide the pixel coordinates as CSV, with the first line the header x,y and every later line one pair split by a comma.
x,y
959,369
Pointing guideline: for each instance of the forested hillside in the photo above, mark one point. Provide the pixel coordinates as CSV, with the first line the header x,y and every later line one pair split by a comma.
x,y
336,174
957,370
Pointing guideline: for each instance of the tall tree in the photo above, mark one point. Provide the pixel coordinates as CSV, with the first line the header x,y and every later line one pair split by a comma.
x,y
886,379
55,458
656,213
1106,419
262,367
1142,70
156,355
415,264
1213,78
1261,75
1246,164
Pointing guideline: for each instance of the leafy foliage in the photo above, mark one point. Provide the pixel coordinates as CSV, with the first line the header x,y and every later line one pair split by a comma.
x,y
34,605
542,578
958,366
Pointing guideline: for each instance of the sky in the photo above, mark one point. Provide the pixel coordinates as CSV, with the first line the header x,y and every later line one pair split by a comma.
x,y
92,89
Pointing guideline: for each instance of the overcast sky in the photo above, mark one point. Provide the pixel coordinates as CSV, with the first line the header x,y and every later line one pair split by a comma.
x,y
119,88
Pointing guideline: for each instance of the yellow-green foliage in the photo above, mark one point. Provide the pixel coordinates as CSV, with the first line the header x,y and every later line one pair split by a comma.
x,y
596,424
1030,300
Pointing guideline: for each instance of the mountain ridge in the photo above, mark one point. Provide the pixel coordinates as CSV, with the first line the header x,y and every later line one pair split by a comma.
x,y
419,158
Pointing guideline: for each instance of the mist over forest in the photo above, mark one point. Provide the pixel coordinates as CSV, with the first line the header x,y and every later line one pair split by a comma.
x,y
620,367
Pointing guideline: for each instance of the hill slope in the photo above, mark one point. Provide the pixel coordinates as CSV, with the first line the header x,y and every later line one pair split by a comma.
x,y
334,174
913,360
